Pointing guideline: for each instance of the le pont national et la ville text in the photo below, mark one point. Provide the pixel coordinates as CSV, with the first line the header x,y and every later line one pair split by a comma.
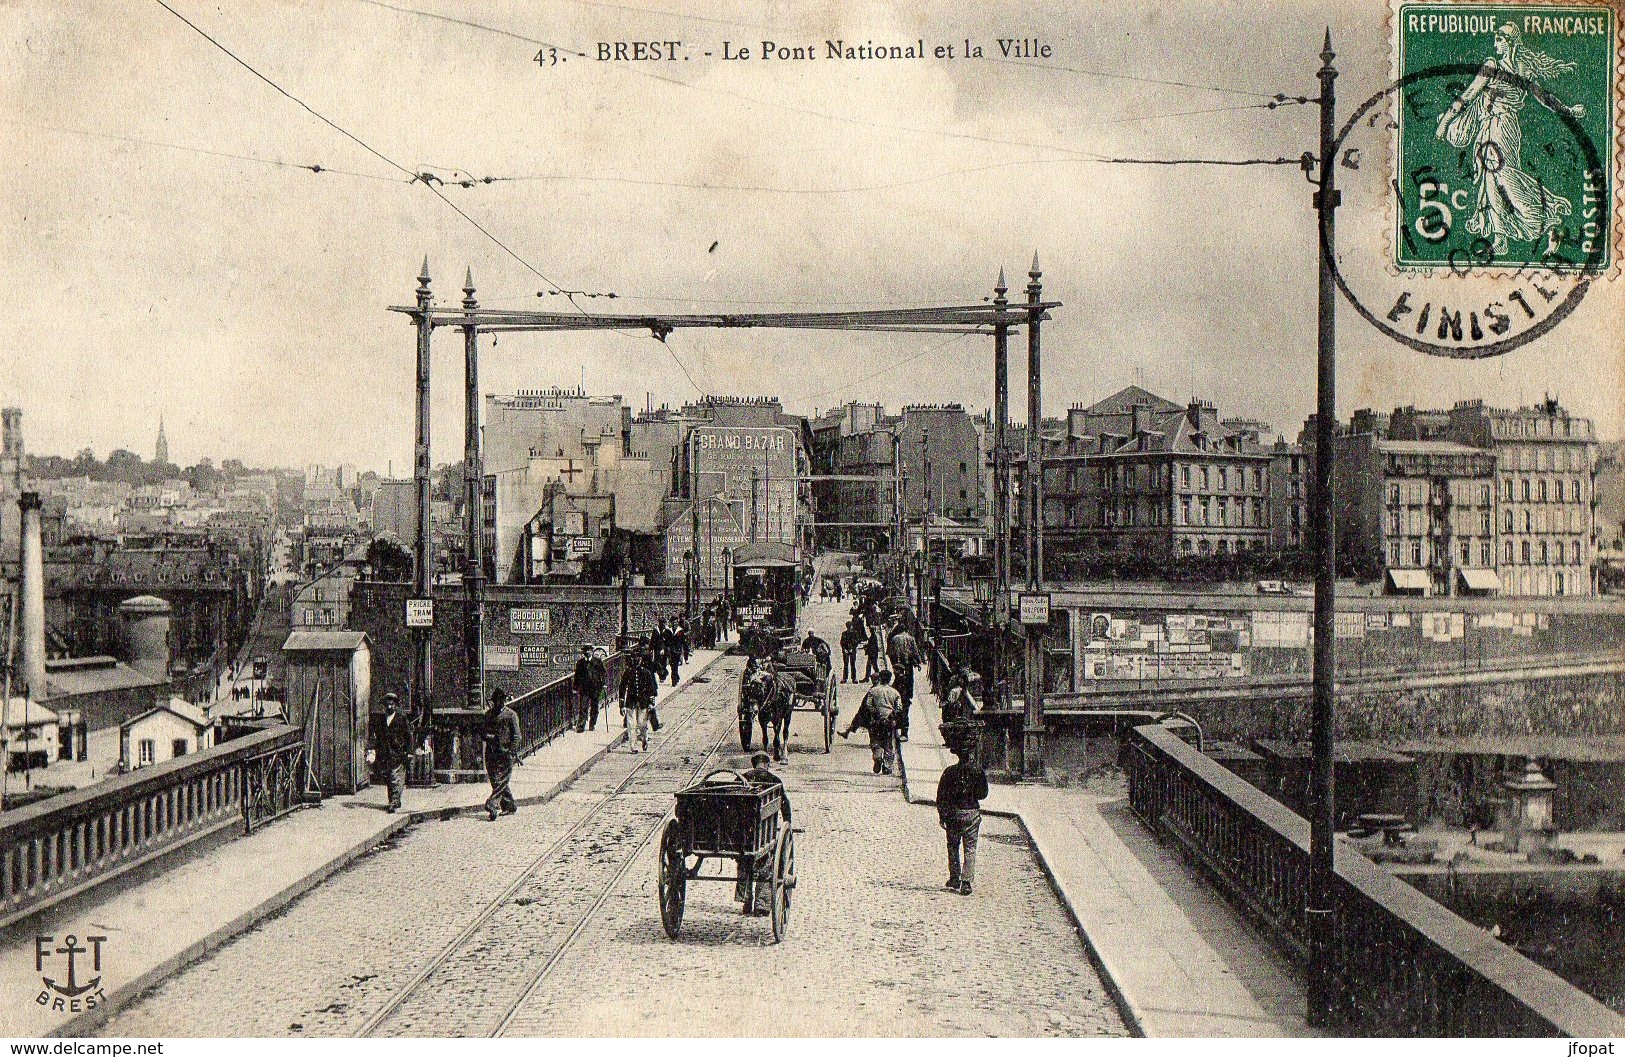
x,y
838,50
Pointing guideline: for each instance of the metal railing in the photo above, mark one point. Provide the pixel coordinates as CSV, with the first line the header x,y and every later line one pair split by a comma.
x,y
545,713
1405,965
548,711
59,847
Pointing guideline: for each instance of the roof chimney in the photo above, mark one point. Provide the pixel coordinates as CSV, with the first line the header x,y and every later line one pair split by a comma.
x,y
32,663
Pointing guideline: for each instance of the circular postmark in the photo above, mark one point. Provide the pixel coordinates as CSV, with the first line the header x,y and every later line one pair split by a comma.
x,y
1477,238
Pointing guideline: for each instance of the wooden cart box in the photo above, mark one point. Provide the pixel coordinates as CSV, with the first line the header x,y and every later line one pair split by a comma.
x,y
728,817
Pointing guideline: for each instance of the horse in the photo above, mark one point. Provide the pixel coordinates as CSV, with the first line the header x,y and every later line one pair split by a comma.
x,y
765,697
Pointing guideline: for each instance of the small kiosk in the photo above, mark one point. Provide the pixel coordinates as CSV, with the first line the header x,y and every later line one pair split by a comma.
x,y
329,698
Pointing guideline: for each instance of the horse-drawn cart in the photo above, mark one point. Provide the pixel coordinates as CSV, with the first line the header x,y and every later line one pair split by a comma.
x,y
815,689
726,816
771,692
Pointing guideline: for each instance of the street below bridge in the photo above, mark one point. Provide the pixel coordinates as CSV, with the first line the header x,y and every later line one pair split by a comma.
x,y
547,923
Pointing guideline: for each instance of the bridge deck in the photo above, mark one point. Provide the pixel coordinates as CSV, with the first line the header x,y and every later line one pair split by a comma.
x,y
164,917
1182,961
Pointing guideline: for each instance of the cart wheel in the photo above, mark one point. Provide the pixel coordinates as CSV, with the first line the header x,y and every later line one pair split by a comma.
x,y
829,718
790,865
673,880
784,864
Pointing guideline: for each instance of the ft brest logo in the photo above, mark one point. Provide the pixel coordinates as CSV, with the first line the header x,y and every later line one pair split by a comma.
x,y
63,969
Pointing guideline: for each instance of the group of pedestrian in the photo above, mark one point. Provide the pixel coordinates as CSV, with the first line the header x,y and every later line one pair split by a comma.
x,y
666,650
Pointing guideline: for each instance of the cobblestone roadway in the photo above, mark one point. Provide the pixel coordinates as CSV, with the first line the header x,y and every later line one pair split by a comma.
x,y
875,946
336,955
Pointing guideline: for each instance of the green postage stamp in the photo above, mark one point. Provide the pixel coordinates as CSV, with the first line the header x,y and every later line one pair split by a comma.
x,y
1507,117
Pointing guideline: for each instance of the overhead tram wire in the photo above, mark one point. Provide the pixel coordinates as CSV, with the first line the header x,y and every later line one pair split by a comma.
x,y
415,178
1125,76
314,167
899,365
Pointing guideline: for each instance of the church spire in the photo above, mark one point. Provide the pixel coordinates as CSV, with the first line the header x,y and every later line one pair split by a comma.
x,y
161,456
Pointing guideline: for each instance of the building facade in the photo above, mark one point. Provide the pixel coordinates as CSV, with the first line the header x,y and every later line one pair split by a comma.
x,y
1545,460
1289,481
1419,513
1138,475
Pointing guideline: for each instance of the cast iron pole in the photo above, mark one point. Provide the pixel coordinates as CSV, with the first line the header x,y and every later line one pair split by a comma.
x,y
1001,493
1322,923
1033,495
423,573
473,509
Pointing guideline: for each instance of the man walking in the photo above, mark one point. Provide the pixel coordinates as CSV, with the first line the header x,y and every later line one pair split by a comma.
x,y
638,688
395,745
878,715
501,746
674,650
589,688
905,657
960,793
851,639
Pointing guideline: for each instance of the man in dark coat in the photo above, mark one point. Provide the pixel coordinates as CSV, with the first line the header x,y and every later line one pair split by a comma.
x,y
674,651
501,750
960,792
657,646
638,687
589,688
851,639
905,657
761,774
395,745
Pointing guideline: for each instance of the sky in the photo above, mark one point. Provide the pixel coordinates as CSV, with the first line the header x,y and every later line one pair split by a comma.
x,y
246,302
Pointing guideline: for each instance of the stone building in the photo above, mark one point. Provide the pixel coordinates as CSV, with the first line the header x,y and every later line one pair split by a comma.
x,y
1419,513
1545,459
1135,474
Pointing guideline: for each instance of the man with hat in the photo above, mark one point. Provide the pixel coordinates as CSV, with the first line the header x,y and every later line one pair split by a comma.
x,y
395,744
501,749
589,688
761,774
638,688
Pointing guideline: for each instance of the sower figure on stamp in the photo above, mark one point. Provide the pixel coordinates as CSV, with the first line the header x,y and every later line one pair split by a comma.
x,y
960,793
395,745
1508,202
501,746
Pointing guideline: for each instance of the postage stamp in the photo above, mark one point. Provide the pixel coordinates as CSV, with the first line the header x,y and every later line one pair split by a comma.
x,y
1506,136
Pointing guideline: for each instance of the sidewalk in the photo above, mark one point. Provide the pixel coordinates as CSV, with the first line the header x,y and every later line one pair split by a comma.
x,y
1180,960
157,923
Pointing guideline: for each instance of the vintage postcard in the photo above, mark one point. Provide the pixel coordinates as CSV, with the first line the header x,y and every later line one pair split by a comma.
x,y
857,519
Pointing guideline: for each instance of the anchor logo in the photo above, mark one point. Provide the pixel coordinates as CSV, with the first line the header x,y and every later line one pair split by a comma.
x,y
72,949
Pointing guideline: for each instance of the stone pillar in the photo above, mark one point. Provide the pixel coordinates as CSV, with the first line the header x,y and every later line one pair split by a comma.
x,y
146,626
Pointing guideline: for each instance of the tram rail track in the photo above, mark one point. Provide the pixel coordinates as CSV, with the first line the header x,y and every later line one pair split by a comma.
x,y
480,942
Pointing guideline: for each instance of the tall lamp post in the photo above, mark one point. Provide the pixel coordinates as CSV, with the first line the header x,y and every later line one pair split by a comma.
x,y
1321,907
727,588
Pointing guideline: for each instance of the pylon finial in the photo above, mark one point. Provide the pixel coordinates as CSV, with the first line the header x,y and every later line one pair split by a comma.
x,y
1326,52
423,274
468,281
1035,273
